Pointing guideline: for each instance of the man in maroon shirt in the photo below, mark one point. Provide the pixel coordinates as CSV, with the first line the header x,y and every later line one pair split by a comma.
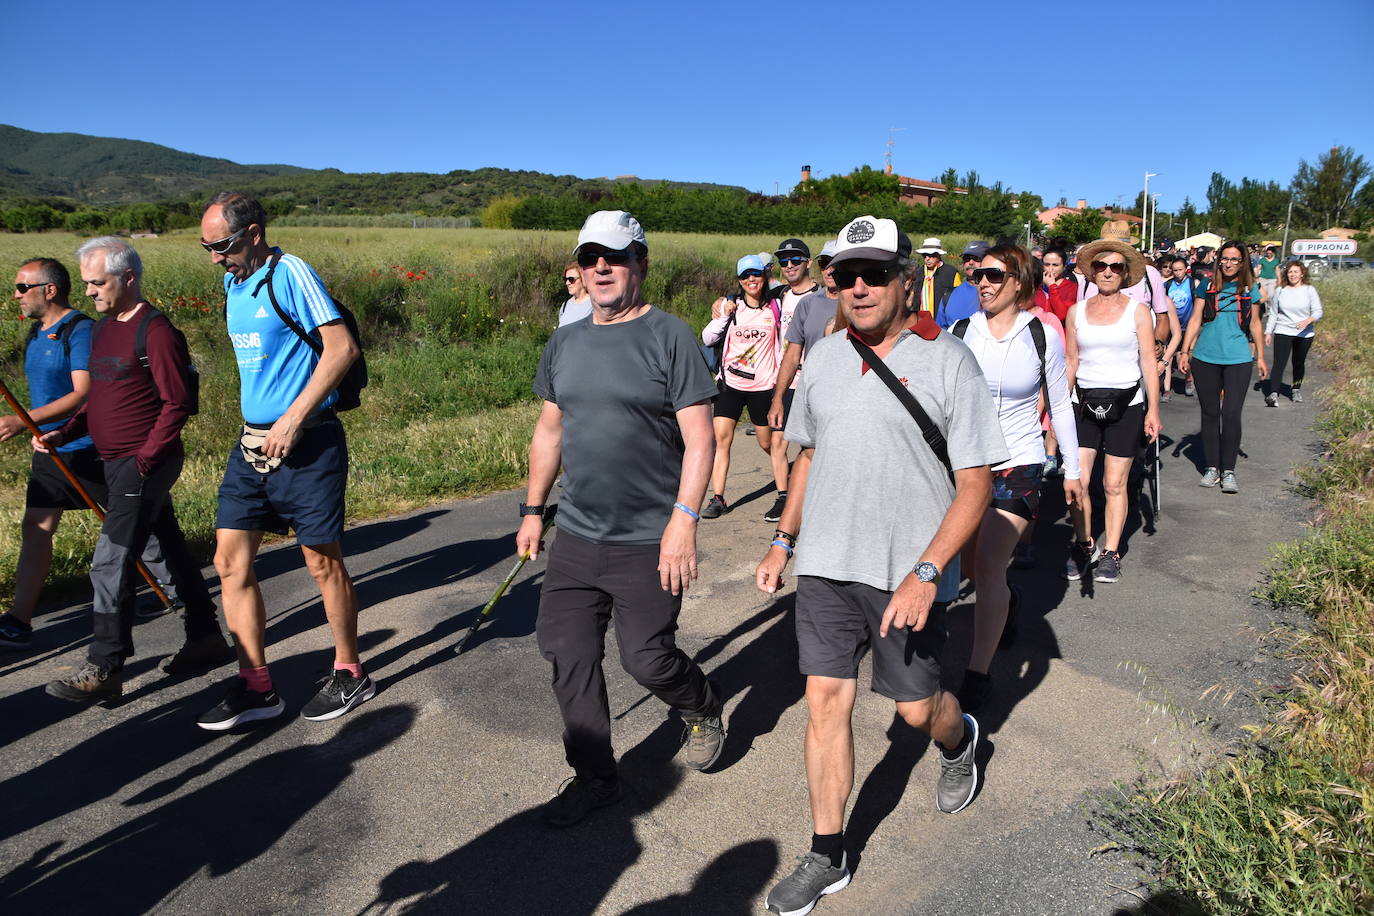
x,y
134,412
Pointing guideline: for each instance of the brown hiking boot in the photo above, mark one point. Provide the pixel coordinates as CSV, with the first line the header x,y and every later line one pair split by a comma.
x,y
198,655
89,683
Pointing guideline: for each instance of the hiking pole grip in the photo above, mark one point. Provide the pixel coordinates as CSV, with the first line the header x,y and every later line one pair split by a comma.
x,y
27,420
505,584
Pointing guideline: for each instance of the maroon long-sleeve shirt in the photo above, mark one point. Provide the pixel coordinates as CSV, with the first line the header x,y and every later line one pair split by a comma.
x,y
130,410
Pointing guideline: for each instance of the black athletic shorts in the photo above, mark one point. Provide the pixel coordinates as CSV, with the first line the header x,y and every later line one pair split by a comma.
x,y
1017,490
731,403
1122,439
49,489
837,622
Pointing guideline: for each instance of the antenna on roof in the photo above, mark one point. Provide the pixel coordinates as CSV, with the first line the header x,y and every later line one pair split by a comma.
x,y
887,157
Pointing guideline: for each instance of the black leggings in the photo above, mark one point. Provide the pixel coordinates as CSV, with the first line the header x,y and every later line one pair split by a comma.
x,y
1283,345
1221,416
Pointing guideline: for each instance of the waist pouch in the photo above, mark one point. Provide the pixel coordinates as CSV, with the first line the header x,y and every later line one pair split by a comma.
x,y
252,439
1106,405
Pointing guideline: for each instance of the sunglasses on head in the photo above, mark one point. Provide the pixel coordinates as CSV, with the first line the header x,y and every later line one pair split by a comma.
x,y
882,275
225,244
751,275
587,259
788,262
1116,267
991,274
22,288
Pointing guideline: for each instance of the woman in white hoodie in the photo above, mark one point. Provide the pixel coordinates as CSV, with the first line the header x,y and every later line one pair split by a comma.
x,y
1003,338
1294,309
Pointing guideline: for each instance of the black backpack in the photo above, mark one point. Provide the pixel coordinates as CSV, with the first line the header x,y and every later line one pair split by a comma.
x,y
1037,330
191,374
65,334
355,379
1244,303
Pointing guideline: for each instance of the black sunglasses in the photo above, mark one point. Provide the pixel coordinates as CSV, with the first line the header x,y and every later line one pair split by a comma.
x,y
225,244
872,276
571,279
788,262
22,288
751,275
587,259
1116,267
991,274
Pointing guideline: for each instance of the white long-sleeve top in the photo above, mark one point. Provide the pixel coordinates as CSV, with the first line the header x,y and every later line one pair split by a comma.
x,y
1012,368
1291,305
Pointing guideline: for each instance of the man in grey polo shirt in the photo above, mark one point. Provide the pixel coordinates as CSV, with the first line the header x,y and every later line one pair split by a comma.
x,y
880,517
627,413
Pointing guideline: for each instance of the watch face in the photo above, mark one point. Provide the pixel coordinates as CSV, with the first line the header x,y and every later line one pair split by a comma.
x,y
927,571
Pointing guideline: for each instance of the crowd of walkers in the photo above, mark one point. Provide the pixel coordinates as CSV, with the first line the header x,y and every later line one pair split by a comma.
x,y
930,404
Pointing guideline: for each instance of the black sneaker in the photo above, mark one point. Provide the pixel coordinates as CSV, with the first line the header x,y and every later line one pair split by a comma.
x,y
578,797
1108,567
775,514
242,705
973,692
89,683
815,877
340,692
1012,627
197,655
715,507
14,633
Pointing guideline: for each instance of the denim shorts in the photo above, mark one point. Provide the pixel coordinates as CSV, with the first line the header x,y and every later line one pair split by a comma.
x,y
306,493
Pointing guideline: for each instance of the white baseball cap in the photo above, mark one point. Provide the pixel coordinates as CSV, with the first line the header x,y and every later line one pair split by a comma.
x,y
871,239
615,229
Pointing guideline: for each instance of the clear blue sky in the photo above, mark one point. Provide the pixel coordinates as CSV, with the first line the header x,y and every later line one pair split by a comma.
x,y
1071,99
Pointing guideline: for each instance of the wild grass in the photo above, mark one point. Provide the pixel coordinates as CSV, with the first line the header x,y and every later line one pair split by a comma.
x,y
1286,824
454,321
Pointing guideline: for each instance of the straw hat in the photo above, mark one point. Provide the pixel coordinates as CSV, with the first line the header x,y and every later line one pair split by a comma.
x,y
1135,261
1120,230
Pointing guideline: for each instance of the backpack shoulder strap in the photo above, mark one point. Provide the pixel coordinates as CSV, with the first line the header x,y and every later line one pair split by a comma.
x,y
934,438
141,336
960,328
1037,332
776,306
70,328
286,319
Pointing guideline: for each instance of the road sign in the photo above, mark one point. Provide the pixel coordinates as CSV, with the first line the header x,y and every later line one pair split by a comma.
x,y
1325,246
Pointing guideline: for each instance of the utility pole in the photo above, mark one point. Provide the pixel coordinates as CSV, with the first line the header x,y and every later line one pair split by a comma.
x,y
1288,221
1145,201
887,167
1154,208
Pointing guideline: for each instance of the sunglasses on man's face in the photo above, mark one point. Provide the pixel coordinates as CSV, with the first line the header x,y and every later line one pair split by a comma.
x,y
751,275
224,245
788,262
1116,267
23,288
991,274
587,259
872,276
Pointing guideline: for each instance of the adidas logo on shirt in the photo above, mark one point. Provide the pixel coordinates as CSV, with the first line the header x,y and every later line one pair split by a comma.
x,y
262,312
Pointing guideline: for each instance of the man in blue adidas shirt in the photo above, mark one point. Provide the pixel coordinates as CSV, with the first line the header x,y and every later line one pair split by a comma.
x,y
55,365
290,465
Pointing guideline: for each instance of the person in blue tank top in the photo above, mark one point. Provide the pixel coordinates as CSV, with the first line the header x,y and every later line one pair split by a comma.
x,y
1218,350
1182,290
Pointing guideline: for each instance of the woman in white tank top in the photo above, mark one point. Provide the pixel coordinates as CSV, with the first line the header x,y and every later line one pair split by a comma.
x,y
1109,346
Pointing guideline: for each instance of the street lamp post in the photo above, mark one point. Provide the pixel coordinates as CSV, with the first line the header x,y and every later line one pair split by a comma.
x,y
1145,203
1154,208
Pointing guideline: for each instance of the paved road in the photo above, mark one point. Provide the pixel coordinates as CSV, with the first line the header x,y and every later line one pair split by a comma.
x,y
422,800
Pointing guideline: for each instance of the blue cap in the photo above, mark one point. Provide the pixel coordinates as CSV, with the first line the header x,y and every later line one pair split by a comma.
x,y
749,262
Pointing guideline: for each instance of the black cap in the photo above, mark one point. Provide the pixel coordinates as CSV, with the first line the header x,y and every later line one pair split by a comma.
x,y
793,246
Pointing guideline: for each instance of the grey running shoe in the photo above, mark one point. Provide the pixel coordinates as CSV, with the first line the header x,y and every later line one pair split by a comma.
x,y
1210,478
88,683
14,633
775,514
1189,390
704,739
715,507
1108,568
1167,394
1228,482
209,651
959,777
339,693
1297,396
796,895
577,798
1081,558
1271,399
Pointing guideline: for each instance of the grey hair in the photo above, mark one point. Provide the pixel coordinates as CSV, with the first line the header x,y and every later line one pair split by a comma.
x,y
119,255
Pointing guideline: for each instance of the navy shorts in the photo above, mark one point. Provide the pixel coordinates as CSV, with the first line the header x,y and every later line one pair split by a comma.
x,y
837,623
306,493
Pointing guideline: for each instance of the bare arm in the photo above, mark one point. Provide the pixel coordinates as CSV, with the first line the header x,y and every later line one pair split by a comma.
x,y
63,407
791,361
1071,348
768,576
340,351
1185,356
677,554
546,455
1149,369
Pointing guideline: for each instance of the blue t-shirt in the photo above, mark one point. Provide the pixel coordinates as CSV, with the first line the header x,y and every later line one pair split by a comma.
x,y
275,365
1221,341
49,370
1183,292
961,304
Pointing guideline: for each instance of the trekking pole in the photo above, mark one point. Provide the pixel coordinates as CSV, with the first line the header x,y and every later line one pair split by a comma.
x,y
505,584
23,415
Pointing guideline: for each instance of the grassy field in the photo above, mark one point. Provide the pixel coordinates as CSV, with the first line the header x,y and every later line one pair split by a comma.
x,y
1286,824
453,319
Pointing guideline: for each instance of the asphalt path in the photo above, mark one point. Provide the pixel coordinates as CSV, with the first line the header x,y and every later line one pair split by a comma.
x,y
423,800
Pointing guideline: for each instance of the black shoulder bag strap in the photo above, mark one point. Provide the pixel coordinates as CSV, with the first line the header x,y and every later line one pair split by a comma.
x,y
286,319
1037,332
934,438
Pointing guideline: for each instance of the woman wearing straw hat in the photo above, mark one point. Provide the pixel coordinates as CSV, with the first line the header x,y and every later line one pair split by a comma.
x,y
1110,354
1217,350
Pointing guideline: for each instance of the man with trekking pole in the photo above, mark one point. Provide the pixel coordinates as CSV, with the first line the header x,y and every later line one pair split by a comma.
x,y
627,414
142,391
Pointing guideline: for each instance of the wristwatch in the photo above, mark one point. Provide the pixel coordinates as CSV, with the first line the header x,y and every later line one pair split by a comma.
x,y
926,571
526,509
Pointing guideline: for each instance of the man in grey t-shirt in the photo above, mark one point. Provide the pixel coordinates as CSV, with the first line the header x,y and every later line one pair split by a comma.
x,y
627,413
880,516
809,320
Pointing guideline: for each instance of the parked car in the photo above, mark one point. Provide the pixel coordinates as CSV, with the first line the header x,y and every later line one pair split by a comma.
x,y
1345,264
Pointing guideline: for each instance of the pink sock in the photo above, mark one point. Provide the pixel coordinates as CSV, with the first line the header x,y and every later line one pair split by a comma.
x,y
259,681
355,669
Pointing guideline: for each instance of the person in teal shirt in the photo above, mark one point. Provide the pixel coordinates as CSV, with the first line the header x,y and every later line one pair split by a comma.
x,y
1268,273
1218,350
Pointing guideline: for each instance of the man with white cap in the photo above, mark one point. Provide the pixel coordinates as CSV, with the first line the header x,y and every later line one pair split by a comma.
x,y
898,434
935,279
627,414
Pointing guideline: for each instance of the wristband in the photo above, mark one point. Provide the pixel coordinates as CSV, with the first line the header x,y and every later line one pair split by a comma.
x,y
779,542
789,538
682,507
526,509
